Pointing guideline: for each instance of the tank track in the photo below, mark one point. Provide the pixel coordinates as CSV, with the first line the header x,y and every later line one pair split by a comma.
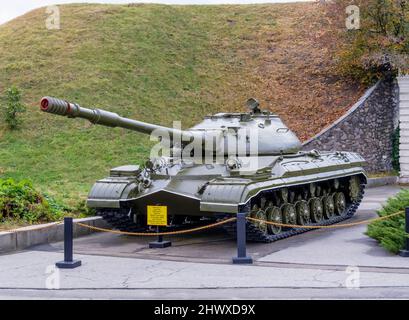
x,y
253,234
120,220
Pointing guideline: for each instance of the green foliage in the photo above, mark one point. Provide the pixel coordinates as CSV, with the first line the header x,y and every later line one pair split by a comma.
x,y
20,202
391,232
380,47
395,149
83,210
12,107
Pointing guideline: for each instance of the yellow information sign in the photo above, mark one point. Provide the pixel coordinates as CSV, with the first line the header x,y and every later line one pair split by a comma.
x,y
157,215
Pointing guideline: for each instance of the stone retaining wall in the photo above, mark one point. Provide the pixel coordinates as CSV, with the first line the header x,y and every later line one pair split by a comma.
x,y
367,128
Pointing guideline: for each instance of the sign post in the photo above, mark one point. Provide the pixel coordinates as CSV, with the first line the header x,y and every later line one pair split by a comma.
x,y
69,262
158,216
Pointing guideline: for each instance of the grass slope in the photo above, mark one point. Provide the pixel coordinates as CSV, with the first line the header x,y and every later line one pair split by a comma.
x,y
159,63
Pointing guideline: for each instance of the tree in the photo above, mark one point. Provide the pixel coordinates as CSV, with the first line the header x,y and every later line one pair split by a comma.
x,y
380,47
12,107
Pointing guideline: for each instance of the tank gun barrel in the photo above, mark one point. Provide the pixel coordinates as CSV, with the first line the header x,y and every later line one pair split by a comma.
x,y
110,119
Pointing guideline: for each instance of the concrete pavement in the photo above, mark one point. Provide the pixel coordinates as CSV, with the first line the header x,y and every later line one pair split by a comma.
x,y
317,264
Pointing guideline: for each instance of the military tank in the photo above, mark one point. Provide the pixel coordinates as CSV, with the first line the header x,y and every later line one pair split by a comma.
x,y
228,163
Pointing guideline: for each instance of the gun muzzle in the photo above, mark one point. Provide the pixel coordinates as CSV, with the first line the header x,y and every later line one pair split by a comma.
x,y
56,106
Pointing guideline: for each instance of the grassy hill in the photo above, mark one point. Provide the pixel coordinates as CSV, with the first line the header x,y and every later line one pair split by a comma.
x,y
159,63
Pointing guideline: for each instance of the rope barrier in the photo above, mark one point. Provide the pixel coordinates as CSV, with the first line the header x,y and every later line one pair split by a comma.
x,y
342,225
34,229
286,225
150,234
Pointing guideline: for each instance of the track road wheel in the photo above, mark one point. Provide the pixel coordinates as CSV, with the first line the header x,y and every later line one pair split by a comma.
x,y
261,215
329,206
316,210
274,215
289,214
340,203
303,212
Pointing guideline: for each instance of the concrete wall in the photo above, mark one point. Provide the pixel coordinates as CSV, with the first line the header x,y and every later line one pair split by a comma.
x,y
47,233
367,128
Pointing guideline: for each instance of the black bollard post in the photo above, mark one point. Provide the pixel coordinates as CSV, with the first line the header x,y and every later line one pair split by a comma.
x,y
242,257
405,252
68,262
159,243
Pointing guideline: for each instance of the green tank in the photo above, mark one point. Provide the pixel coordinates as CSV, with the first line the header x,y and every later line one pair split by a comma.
x,y
228,163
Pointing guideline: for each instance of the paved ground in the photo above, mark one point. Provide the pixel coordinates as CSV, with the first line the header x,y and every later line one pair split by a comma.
x,y
317,264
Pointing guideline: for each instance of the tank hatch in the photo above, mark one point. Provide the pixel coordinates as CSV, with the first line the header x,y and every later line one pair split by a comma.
x,y
126,171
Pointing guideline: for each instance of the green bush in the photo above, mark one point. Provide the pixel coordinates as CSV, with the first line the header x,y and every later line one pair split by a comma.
x,y
12,107
391,232
20,202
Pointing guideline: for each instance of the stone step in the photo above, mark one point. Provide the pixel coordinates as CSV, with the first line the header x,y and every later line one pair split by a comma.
x,y
404,166
404,111
404,126
404,169
404,134
404,143
404,155
404,118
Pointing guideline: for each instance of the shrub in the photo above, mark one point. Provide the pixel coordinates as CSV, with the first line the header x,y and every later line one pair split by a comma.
x,y
19,201
13,106
391,232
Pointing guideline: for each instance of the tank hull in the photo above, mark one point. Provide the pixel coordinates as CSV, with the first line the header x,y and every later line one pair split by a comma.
x,y
211,190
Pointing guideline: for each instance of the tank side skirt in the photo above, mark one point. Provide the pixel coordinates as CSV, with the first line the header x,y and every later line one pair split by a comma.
x,y
233,207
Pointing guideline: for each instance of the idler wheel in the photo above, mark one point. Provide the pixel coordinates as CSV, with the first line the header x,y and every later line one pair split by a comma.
x,y
274,215
303,212
316,209
340,203
329,206
289,214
